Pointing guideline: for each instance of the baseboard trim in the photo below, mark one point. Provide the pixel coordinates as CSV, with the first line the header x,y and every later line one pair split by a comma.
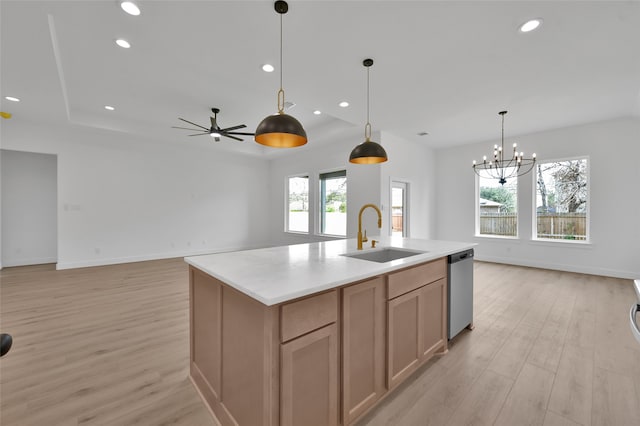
x,y
142,258
28,262
581,269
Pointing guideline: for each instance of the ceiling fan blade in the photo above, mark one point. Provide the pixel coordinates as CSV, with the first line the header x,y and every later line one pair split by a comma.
x,y
185,128
232,137
198,134
239,133
241,126
190,122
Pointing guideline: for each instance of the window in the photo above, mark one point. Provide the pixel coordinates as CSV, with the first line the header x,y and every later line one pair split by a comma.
x,y
497,207
562,193
399,210
298,204
333,203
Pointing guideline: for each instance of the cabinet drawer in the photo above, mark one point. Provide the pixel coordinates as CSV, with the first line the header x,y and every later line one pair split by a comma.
x,y
308,314
404,281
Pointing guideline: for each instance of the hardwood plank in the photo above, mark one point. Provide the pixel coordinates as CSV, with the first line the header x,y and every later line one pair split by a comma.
x,y
615,399
483,402
553,419
571,396
527,401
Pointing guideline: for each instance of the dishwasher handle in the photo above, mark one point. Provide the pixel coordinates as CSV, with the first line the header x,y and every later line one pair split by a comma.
x,y
459,257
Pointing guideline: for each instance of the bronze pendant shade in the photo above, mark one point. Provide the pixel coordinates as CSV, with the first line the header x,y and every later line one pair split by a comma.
x,y
368,152
280,130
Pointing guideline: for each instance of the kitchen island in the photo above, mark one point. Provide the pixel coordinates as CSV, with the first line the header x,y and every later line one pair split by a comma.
x,y
304,335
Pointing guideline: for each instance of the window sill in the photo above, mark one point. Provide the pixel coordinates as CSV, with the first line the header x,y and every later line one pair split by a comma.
x,y
555,243
496,237
297,232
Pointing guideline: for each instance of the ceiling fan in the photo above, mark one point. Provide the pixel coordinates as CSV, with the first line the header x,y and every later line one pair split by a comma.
x,y
215,131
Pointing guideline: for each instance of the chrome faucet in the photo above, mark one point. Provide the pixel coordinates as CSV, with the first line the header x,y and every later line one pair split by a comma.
x,y
360,239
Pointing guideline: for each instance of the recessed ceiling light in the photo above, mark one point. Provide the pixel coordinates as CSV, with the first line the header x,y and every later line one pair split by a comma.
x,y
530,25
317,112
343,104
109,107
130,7
12,99
268,68
123,43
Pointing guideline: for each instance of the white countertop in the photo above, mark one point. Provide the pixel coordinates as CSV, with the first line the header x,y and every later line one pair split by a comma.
x,y
279,274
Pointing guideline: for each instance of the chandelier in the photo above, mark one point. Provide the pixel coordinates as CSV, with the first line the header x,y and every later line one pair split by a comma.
x,y
501,167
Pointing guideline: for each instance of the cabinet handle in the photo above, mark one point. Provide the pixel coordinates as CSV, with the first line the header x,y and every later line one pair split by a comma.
x,y
634,325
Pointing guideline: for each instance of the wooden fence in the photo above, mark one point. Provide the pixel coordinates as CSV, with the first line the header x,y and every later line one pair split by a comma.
x,y
505,224
567,226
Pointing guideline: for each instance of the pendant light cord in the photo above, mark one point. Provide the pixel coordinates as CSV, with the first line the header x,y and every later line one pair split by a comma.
x,y
367,127
281,91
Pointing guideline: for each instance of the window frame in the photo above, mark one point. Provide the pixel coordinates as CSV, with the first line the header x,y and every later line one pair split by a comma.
x,y
534,213
322,177
286,203
404,185
477,233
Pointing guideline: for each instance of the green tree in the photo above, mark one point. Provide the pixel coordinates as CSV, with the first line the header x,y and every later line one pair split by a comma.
x,y
500,195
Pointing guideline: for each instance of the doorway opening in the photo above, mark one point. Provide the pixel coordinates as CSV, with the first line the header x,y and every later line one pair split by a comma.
x,y
399,208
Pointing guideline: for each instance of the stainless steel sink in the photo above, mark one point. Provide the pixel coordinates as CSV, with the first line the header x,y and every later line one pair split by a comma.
x,y
384,255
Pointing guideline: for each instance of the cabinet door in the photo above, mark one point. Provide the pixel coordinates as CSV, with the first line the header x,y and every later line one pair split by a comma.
x,y
363,346
434,322
404,336
309,386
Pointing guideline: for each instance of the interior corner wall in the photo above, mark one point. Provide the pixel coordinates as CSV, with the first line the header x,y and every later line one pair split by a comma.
x,y
29,217
613,150
123,198
362,187
414,164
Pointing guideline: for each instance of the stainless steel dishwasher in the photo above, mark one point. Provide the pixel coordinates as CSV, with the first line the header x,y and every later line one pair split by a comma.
x,y
460,292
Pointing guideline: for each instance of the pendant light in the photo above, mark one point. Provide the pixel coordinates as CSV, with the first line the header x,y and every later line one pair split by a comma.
x,y
368,152
281,130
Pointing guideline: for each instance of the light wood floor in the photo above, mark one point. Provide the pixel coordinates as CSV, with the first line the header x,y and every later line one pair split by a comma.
x,y
109,346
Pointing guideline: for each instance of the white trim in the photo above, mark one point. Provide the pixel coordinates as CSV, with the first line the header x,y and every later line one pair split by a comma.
x,y
534,214
615,273
29,262
144,258
286,203
405,184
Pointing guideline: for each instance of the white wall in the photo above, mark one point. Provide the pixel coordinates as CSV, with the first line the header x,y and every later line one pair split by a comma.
x,y
415,164
362,187
29,208
613,148
123,199
366,184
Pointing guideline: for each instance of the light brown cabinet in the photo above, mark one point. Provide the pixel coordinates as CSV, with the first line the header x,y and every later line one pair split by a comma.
x,y
363,346
416,319
325,359
309,379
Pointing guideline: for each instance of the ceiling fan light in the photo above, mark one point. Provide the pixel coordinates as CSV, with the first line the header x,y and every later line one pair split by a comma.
x,y
280,131
368,152
215,135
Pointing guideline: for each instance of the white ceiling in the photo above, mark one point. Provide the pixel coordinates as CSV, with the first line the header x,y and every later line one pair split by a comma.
x,y
446,68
